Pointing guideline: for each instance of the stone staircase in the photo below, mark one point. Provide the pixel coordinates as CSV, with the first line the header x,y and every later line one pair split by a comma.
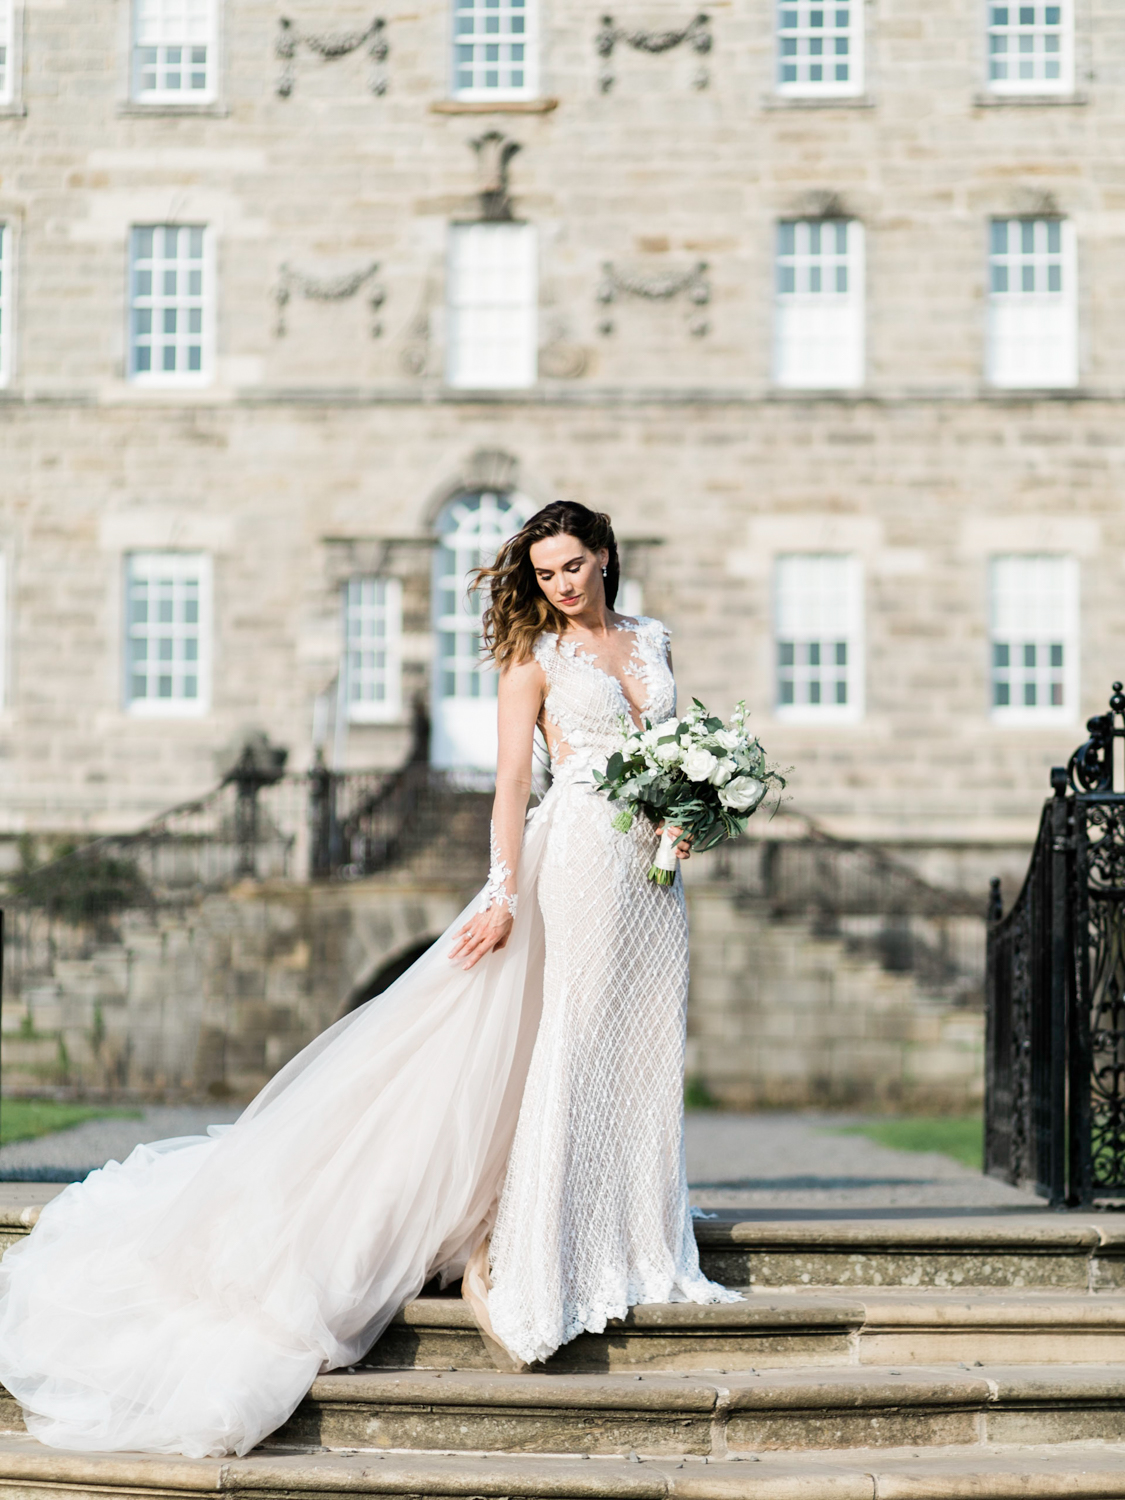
x,y
874,1358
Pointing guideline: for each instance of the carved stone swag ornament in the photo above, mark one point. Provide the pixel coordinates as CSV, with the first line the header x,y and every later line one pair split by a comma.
x,y
336,288
331,45
697,34
656,287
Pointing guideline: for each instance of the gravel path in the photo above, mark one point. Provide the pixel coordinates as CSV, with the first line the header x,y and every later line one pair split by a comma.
x,y
792,1163
767,1164
70,1154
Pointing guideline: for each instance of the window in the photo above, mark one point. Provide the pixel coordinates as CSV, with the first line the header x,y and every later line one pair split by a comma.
x,y
1030,48
493,305
6,58
819,314
169,294
818,617
167,648
470,529
373,649
1033,616
630,598
1033,310
494,49
820,47
174,51
5,303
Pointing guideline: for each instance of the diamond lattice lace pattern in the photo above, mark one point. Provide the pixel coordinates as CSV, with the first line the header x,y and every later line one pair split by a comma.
x,y
594,1213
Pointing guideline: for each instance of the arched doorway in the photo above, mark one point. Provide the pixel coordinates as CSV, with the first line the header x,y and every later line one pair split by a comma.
x,y
387,973
470,529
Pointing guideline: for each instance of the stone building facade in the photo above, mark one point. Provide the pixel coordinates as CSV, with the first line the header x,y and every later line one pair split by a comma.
x,y
842,353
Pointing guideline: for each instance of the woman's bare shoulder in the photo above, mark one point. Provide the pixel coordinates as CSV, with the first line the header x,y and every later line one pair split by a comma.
x,y
523,676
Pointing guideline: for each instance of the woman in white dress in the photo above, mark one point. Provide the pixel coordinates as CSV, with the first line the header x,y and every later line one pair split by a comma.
x,y
516,1111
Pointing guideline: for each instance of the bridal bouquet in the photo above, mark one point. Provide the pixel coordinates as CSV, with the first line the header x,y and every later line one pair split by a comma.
x,y
696,774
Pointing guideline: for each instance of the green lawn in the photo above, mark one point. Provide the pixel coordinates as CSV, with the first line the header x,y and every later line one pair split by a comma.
x,y
27,1119
959,1136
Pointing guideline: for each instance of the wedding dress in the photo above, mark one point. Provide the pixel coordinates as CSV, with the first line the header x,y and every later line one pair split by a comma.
x,y
183,1301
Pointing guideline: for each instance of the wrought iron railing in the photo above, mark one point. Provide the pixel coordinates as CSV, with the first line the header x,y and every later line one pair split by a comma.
x,y
264,823
1055,988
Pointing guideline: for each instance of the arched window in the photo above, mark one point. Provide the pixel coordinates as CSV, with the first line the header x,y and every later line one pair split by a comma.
x,y
470,529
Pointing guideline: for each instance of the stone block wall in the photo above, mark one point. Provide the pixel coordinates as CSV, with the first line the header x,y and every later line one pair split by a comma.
x,y
214,999
781,1017
327,450
212,1002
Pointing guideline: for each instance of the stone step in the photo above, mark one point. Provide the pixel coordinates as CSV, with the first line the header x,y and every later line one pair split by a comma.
x,y
775,1329
1072,1252
1080,1471
1080,1252
747,1412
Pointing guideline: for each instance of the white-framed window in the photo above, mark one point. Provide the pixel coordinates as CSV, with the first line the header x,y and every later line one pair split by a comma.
x,y
373,649
470,530
1033,630
171,304
1031,47
168,634
7,82
819,313
1032,303
493,305
630,598
819,47
495,51
174,51
818,637
7,302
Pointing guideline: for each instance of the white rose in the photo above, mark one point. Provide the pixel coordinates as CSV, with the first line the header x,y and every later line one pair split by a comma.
x,y
727,739
669,754
723,772
742,794
698,764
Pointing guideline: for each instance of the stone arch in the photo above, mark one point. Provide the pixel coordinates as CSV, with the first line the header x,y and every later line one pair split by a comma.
x,y
386,972
486,469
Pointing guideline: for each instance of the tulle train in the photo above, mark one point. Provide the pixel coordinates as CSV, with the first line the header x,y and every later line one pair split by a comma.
x,y
184,1300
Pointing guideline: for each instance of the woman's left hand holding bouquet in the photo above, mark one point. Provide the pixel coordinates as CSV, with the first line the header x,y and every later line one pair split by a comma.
x,y
683,846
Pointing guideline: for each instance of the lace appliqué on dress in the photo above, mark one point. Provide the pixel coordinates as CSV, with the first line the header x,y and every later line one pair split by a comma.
x,y
495,892
649,661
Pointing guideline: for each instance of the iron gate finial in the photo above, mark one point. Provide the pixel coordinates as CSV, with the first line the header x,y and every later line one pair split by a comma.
x,y
1090,768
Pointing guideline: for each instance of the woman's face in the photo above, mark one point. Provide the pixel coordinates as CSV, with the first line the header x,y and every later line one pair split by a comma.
x,y
569,573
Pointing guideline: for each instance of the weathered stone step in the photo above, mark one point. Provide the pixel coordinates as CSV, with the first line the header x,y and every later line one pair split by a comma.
x,y
773,1329
665,1415
1083,1252
1074,1252
1077,1472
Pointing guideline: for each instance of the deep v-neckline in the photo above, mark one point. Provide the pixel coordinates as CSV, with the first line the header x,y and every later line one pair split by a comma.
x,y
576,653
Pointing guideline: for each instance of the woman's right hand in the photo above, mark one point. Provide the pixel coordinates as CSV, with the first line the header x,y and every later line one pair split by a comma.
x,y
486,932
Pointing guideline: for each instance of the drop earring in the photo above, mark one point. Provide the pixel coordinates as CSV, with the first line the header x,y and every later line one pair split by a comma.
x,y
605,572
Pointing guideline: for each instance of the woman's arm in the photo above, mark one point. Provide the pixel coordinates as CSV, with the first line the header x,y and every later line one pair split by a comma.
x,y
520,702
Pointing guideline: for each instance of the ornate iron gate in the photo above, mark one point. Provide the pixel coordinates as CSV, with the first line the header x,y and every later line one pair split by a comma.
x,y
1055,986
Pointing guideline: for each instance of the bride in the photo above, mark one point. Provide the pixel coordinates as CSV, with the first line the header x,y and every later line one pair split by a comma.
x,y
509,1111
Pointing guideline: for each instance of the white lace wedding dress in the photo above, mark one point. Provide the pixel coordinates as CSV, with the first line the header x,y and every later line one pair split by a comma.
x,y
184,1300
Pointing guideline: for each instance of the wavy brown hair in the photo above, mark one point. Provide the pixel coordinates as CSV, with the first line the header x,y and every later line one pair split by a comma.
x,y
517,610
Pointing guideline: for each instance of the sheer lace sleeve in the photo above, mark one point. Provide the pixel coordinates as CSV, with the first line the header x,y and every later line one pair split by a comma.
x,y
501,880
